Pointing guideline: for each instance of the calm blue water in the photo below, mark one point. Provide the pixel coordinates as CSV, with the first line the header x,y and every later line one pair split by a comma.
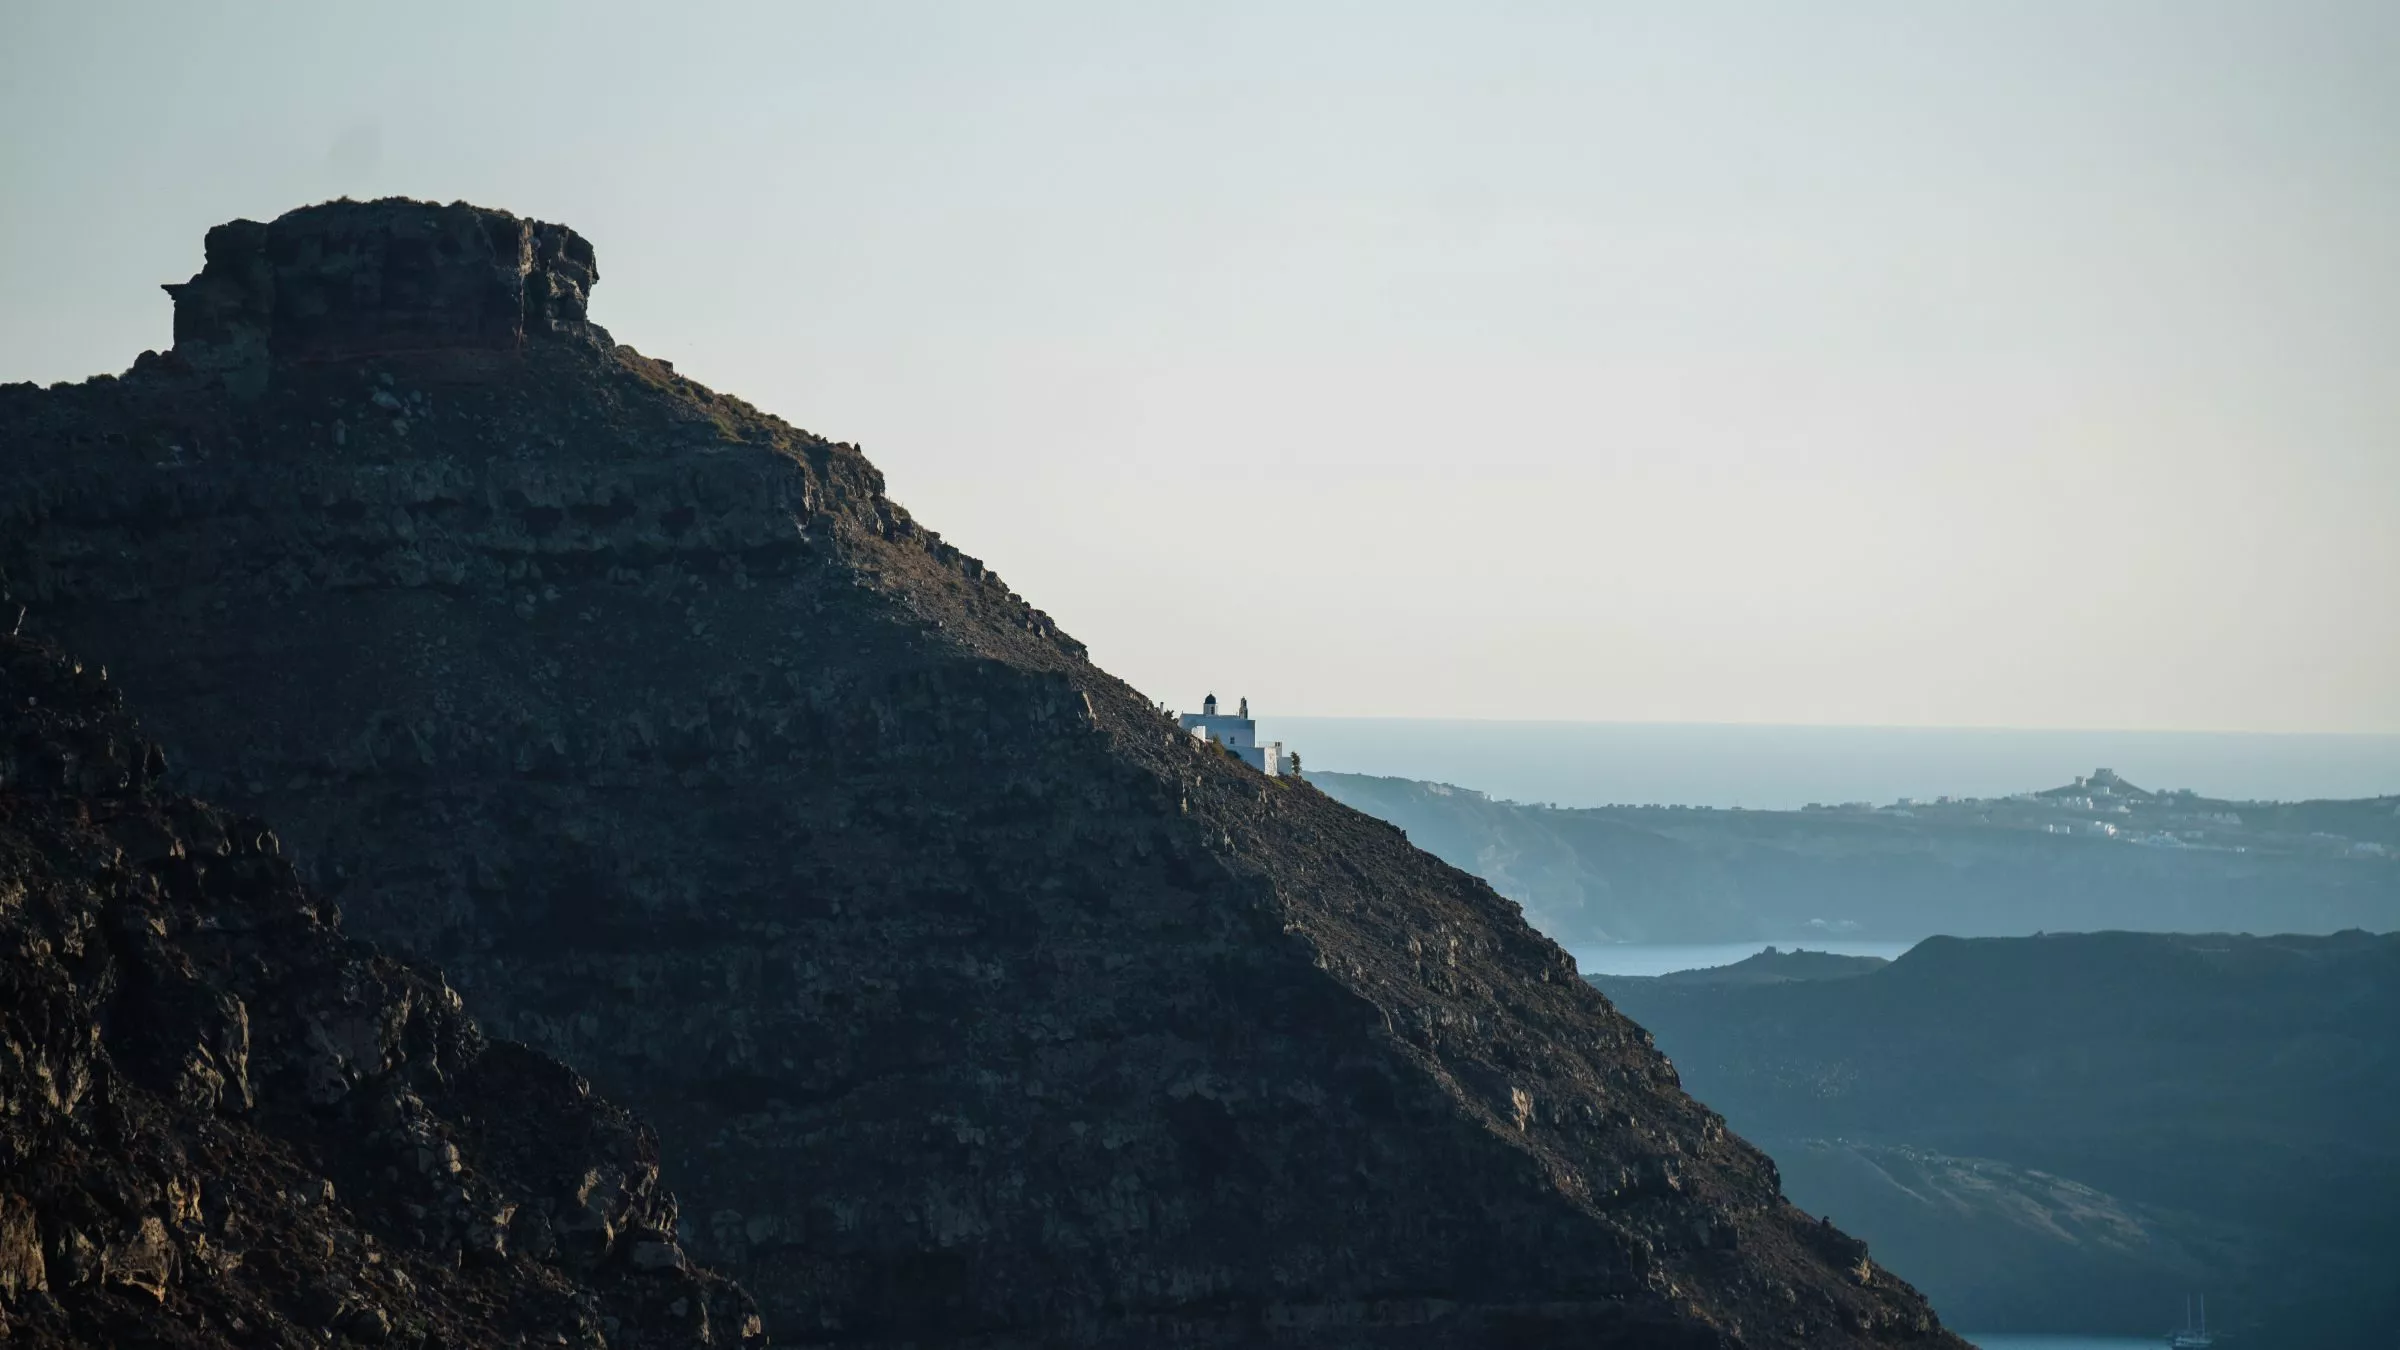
x,y
1989,1342
1663,958
1780,768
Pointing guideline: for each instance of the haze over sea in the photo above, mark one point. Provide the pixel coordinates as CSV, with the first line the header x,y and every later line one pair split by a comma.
x,y
1785,767
2008,1342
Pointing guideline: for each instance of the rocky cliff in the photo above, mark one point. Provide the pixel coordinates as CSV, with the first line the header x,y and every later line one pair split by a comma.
x,y
973,1002
223,1123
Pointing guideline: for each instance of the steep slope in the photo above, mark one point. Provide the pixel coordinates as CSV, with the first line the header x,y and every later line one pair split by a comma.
x,y
974,1003
2068,1133
222,1123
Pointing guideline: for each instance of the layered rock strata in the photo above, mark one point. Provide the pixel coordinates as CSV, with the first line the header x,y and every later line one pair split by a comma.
x,y
973,1002
223,1123
349,280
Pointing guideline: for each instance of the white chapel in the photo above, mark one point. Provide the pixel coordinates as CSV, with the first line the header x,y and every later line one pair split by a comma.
x,y
1236,733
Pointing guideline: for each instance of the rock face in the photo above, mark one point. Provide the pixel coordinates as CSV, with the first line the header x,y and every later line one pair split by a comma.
x,y
973,1002
348,280
223,1123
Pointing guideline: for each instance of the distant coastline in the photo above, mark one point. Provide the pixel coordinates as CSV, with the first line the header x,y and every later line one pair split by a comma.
x,y
2098,852
1788,767
1654,959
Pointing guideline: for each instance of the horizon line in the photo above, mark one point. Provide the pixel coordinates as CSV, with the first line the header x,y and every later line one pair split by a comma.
x,y
2393,734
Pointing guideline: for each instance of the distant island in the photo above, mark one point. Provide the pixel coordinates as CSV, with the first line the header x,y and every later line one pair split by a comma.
x,y
1770,967
2099,852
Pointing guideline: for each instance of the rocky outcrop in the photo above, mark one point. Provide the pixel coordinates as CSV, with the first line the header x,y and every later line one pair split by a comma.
x,y
223,1123
973,1002
349,279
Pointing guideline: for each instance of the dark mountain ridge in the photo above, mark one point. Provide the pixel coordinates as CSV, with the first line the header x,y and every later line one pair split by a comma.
x,y
973,1001
223,1123
2069,1132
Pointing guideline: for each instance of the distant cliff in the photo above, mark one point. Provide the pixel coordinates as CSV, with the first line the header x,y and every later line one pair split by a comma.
x,y
1768,967
974,1002
2070,1133
224,1123
2063,861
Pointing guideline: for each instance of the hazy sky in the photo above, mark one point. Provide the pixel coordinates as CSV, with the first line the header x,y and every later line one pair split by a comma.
x,y
1923,362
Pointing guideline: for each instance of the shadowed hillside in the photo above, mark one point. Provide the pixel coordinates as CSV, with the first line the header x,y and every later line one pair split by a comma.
x,y
222,1123
2070,1132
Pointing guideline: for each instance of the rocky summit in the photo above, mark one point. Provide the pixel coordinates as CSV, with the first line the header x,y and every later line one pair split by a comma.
x,y
222,1123
974,1003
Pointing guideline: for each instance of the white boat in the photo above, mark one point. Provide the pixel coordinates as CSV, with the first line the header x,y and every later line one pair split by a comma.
x,y
2192,1337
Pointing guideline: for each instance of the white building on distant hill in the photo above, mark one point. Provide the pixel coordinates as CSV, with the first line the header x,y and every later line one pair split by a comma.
x,y
1236,733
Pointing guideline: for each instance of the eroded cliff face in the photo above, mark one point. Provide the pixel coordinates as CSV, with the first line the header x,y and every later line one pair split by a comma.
x,y
973,1002
345,280
222,1123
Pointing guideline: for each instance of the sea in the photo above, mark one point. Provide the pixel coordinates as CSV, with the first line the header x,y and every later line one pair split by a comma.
x,y
2005,1342
2065,1341
1782,768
